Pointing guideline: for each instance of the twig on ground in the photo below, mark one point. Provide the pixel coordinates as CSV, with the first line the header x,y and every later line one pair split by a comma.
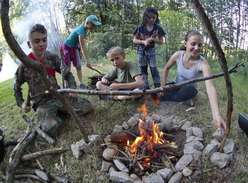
x,y
42,153
12,166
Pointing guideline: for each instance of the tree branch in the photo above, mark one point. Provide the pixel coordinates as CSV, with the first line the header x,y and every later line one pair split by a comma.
x,y
17,156
151,91
222,60
28,157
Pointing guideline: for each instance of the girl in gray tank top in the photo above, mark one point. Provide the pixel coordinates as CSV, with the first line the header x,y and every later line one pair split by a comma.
x,y
191,65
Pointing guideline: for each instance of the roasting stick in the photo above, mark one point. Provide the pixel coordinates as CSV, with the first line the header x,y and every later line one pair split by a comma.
x,y
96,70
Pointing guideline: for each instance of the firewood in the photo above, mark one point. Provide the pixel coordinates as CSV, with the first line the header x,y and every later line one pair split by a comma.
x,y
121,137
26,176
42,153
13,163
38,130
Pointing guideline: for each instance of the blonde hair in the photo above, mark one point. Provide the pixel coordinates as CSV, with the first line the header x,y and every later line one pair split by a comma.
x,y
116,50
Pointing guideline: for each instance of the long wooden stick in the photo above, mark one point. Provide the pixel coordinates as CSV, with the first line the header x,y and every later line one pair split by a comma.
x,y
96,70
222,60
42,153
38,130
151,91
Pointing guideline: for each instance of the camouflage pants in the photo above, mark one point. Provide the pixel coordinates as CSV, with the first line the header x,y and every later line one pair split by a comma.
x,y
47,112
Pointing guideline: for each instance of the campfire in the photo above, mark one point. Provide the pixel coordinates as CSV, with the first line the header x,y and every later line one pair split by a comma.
x,y
154,148
147,149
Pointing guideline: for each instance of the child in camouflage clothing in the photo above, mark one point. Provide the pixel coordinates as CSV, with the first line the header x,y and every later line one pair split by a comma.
x,y
46,106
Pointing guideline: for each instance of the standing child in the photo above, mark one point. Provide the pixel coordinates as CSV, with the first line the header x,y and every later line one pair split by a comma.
x,y
45,105
146,35
190,65
128,74
75,42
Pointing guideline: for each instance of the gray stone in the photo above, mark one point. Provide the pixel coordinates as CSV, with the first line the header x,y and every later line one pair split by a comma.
x,y
197,132
193,138
107,139
187,172
109,152
154,178
81,146
117,128
166,173
196,176
156,118
120,177
189,132
176,178
229,146
137,117
166,123
210,149
148,118
218,134
189,150
132,122
195,144
105,166
135,177
197,156
125,126
220,160
120,166
184,161
186,125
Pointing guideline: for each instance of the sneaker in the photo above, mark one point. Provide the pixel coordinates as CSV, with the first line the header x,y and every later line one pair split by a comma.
x,y
83,86
190,102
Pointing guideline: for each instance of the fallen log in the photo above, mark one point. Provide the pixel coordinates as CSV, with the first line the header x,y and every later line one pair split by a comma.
x,y
43,153
38,130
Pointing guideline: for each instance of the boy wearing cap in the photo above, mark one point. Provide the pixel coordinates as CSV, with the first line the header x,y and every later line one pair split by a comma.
x,y
70,50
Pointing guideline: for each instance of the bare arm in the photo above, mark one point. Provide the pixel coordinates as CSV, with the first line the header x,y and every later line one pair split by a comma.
x,y
156,40
138,41
173,59
83,49
137,83
212,95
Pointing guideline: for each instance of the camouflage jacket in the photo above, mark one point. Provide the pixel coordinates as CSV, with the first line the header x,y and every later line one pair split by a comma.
x,y
34,80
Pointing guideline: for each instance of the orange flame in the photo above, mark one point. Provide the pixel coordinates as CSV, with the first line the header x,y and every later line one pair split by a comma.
x,y
150,134
142,109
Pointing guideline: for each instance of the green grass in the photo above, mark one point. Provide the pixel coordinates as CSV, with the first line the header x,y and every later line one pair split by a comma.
x,y
106,114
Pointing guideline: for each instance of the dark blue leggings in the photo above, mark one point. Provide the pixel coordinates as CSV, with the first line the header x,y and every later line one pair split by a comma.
x,y
180,94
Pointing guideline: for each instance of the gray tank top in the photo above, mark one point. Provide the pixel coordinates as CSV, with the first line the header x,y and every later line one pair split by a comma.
x,y
185,74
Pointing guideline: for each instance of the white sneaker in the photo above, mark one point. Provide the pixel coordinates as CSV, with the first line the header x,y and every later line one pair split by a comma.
x,y
190,102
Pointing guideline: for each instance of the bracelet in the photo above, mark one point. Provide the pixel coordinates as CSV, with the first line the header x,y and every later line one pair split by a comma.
x,y
87,60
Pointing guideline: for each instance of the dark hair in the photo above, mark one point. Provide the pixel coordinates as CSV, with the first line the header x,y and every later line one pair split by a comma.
x,y
188,35
37,28
146,12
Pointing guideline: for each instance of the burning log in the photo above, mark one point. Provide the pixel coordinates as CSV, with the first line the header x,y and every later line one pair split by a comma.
x,y
122,137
